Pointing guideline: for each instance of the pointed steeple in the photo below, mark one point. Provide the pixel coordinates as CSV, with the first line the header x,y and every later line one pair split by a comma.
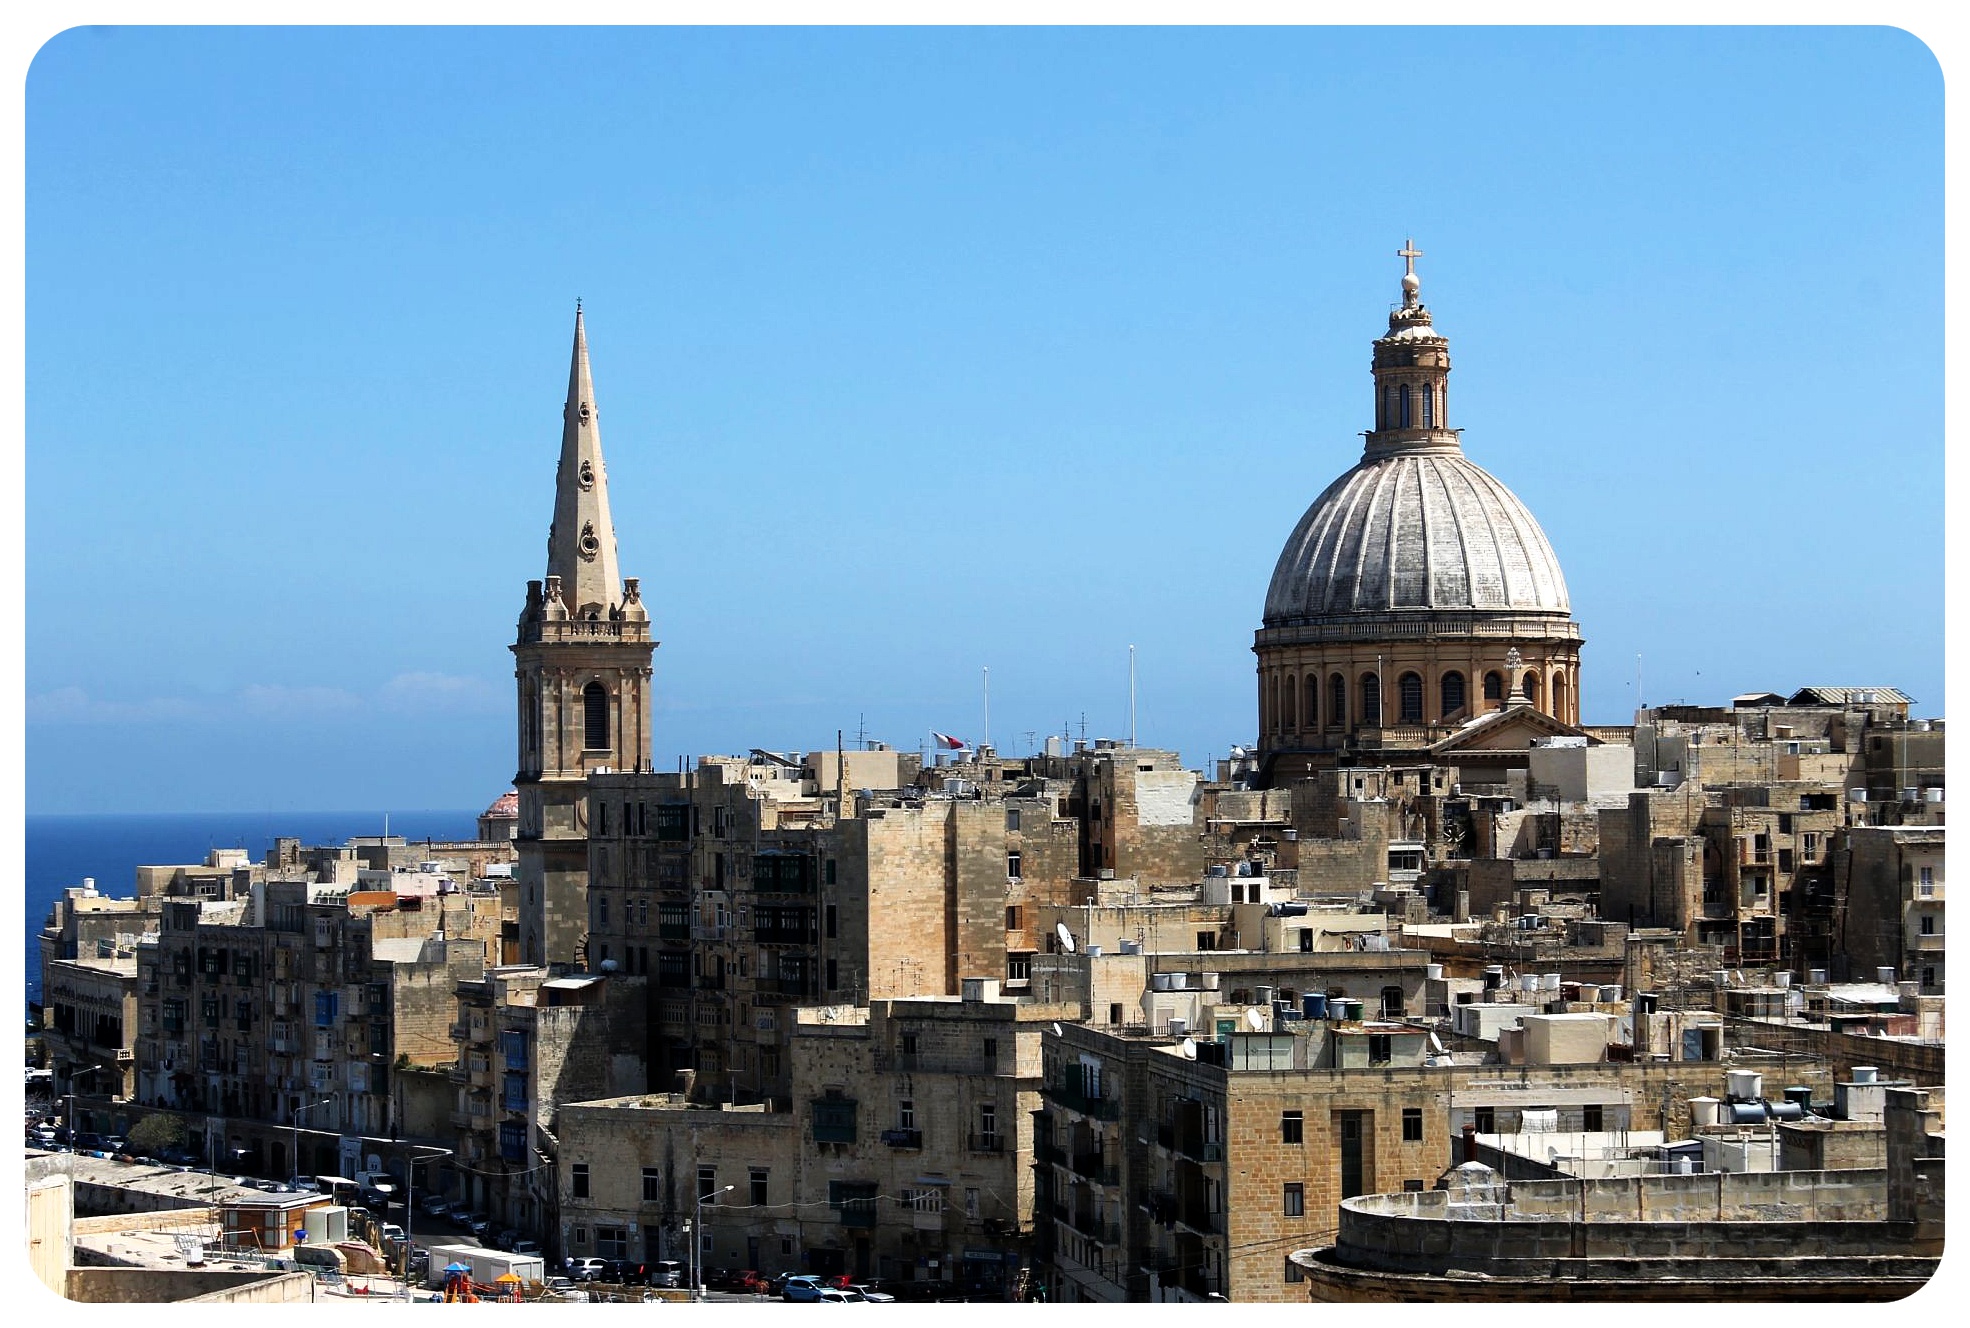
x,y
581,544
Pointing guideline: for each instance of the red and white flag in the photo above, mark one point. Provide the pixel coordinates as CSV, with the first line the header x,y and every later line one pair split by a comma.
x,y
946,740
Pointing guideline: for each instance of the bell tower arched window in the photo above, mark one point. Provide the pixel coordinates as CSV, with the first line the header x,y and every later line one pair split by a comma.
x,y
1402,406
1429,408
595,717
1494,686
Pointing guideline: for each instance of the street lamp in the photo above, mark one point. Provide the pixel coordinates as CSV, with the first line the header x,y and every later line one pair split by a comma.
x,y
294,1158
410,1203
72,1076
697,1244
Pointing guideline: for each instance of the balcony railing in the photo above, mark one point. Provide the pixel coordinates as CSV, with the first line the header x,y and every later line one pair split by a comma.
x,y
1100,1108
1050,1154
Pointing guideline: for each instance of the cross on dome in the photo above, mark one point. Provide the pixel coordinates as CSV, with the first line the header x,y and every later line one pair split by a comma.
x,y
1409,253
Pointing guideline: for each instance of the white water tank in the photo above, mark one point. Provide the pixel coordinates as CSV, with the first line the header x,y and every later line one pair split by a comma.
x,y
1179,982
1885,976
1091,951
1745,1085
1159,982
1210,982
1816,977
1704,1111
1433,972
1781,979
1864,1074
1549,982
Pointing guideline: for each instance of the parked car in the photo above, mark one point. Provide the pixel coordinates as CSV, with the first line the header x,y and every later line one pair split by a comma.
x,y
391,1231
504,1238
524,1246
834,1296
665,1273
434,1205
478,1224
459,1211
557,1286
870,1292
585,1270
801,1287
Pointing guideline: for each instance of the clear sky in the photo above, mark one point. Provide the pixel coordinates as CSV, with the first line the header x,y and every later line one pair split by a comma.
x,y
923,351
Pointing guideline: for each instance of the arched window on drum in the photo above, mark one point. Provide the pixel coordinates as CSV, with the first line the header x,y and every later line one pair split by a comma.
x,y
1452,694
1409,698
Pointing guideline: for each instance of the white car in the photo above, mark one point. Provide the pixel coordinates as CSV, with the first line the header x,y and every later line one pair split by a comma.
x,y
391,1231
836,1296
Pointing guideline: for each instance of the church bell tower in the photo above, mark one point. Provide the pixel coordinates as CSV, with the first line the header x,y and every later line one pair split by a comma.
x,y
582,662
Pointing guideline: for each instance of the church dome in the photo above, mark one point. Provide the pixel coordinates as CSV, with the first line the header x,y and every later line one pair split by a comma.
x,y
1414,531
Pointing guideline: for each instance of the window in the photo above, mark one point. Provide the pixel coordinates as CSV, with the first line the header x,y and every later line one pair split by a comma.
x,y
581,1180
595,717
1412,1187
611,1242
1012,818
1928,924
1402,406
1114,1012
971,1203
327,1006
1531,685
601,910
830,922
834,974
1294,1273
1207,940
1371,699
1494,687
1379,1051
1429,407
1295,1204
1019,967
757,1186
707,1183
909,1044
1337,702
1486,1120
579,1236
1412,1125
906,1114
1452,689
1591,1118
991,1049
1012,918
1306,940
1929,975
652,1185
1288,689
988,1125
1392,1003
834,1120
1292,1127
828,872
1409,698
1012,865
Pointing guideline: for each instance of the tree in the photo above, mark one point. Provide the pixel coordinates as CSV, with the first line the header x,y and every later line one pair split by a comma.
x,y
153,1134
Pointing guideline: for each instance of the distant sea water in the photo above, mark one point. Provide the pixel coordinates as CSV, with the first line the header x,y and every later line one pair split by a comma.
x,y
62,850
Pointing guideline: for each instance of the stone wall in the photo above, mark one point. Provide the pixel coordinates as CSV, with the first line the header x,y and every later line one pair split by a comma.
x,y
139,1286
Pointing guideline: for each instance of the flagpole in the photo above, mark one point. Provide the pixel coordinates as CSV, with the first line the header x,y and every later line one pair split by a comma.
x,y
1131,696
985,738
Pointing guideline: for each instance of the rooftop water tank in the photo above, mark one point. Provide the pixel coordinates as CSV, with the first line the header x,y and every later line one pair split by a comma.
x,y
1704,1111
1433,972
1159,981
1885,976
1745,1085
1865,1074
1314,1005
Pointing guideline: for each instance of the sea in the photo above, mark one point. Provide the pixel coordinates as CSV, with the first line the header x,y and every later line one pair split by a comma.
x,y
62,851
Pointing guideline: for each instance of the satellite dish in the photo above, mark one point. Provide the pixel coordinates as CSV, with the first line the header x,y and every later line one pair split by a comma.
x,y
1190,1049
1066,936
1056,1029
1255,1019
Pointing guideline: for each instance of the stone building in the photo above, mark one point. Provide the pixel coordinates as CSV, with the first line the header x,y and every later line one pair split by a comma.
x,y
582,664
527,1043
293,1006
1416,593
1890,881
1188,1175
88,951
905,1154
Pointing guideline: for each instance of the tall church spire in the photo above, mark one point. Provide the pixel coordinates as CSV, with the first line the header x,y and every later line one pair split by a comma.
x,y
581,544
1412,371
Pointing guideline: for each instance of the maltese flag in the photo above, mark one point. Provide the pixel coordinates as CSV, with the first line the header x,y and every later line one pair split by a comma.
x,y
946,740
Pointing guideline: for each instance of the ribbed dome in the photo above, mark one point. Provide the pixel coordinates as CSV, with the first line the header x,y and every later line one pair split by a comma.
x,y
1414,531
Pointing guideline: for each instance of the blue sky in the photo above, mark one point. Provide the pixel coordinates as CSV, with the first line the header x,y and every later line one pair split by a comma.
x,y
922,351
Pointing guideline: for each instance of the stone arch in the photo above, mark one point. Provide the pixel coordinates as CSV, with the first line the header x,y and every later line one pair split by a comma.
x,y
1533,691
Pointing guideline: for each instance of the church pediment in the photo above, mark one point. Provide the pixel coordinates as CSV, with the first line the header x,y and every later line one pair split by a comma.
x,y
1511,730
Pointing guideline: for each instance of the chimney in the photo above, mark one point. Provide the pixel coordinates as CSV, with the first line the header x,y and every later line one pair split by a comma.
x,y
1470,1143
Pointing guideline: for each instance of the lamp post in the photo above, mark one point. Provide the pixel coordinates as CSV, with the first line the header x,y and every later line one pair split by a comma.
x,y
410,1202
72,1076
294,1158
697,1244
